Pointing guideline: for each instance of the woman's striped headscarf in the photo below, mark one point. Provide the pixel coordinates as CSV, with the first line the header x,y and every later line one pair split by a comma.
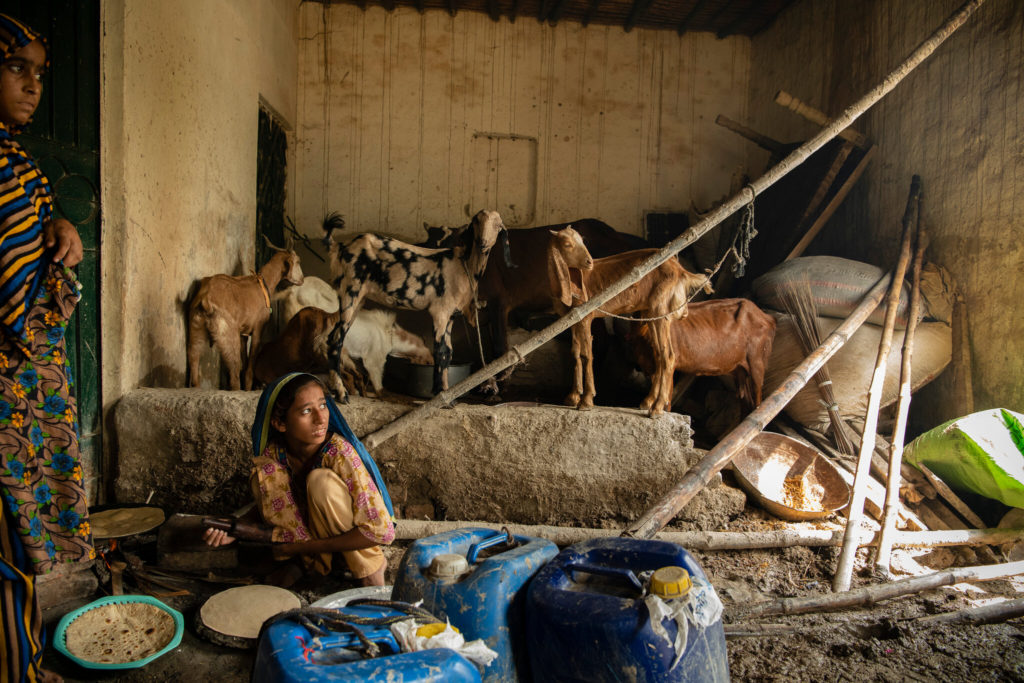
x,y
25,206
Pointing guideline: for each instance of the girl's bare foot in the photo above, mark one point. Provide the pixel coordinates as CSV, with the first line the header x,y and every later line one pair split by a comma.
x,y
45,676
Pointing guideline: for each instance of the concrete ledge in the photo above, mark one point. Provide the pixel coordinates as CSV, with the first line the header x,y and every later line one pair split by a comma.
x,y
524,464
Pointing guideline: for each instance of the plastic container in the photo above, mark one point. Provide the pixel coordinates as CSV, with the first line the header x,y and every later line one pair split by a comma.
x,y
474,579
59,638
289,653
586,616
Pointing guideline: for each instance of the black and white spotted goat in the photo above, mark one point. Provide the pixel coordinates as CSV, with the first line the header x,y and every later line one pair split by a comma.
x,y
401,275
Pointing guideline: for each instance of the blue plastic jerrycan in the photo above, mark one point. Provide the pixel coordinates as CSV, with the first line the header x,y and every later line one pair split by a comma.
x,y
587,619
476,578
289,653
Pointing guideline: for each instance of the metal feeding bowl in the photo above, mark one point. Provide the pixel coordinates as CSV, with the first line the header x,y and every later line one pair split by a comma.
x,y
417,380
790,479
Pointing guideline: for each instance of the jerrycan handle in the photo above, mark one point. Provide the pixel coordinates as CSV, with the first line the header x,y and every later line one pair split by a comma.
x,y
353,642
503,536
613,572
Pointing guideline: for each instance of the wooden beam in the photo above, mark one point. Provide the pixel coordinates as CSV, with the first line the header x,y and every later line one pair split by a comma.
x,y
684,25
762,141
818,117
494,10
556,12
591,11
636,12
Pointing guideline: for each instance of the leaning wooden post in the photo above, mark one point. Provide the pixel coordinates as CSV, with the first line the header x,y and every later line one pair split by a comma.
x,y
892,482
713,218
697,477
855,511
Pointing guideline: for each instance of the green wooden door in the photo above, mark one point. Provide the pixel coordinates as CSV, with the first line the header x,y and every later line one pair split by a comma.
x,y
64,138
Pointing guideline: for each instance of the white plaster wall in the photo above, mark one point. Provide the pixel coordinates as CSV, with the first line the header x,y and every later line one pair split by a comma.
x,y
182,82
955,121
624,122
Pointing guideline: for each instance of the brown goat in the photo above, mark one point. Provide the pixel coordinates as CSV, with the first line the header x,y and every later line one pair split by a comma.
x,y
719,337
525,285
227,308
661,294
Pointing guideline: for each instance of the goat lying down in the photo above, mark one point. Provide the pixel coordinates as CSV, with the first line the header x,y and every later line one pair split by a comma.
x,y
661,294
226,308
719,337
302,346
312,292
401,275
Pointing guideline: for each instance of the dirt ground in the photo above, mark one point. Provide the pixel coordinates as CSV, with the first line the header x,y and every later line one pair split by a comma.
x,y
882,642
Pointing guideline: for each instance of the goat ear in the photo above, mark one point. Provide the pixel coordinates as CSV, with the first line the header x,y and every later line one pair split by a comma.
x,y
558,277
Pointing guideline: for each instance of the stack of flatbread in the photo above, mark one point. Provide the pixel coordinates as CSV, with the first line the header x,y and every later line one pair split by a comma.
x,y
119,633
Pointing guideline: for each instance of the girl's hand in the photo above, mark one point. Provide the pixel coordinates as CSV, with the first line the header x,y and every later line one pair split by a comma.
x,y
60,232
216,538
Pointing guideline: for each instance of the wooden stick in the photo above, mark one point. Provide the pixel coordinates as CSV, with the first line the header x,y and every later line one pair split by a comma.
x,y
873,594
818,117
844,568
962,354
826,182
958,504
892,483
762,141
413,529
833,204
716,216
986,614
701,473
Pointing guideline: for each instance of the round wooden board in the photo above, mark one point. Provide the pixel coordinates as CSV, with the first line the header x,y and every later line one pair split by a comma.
x,y
125,521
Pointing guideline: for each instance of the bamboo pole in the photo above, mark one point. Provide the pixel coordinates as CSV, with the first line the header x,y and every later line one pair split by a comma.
x,y
701,473
855,511
986,614
716,216
892,482
414,529
873,594
950,497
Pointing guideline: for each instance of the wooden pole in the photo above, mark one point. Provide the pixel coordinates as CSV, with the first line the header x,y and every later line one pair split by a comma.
x,y
713,218
892,482
762,141
819,117
873,594
986,614
700,474
833,204
413,529
855,511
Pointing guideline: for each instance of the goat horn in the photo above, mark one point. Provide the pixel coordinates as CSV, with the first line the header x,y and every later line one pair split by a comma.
x,y
272,245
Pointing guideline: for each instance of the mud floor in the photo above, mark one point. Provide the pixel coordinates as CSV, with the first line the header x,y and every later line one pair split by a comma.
x,y
883,642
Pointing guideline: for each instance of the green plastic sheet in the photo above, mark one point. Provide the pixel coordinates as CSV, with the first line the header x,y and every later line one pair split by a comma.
x,y
982,452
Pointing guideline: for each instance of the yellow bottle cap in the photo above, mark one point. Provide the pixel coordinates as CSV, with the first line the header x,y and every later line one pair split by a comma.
x,y
670,582
431,630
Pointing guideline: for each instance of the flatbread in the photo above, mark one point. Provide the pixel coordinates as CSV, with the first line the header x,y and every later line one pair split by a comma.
x,y
241,611
119,633
120,522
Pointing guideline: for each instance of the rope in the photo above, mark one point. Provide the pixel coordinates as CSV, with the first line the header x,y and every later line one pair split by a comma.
x,y
740,250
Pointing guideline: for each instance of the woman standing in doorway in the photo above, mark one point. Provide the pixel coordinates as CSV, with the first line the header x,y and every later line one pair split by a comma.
x,y
44,519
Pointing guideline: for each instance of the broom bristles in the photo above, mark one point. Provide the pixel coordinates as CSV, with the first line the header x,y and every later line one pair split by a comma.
x,y
796,299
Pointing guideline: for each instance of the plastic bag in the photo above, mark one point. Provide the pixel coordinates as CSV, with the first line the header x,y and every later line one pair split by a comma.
x,y
413,637
982,452
701,607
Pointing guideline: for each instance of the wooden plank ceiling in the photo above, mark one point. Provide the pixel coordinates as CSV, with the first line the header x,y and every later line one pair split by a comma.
x,y
721,17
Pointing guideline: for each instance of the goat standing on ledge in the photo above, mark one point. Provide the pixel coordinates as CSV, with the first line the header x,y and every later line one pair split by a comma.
x,y
661,294
402,275
719,337
226,308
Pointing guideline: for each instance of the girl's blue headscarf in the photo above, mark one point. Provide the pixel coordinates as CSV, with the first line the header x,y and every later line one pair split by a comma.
x,y
261,430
